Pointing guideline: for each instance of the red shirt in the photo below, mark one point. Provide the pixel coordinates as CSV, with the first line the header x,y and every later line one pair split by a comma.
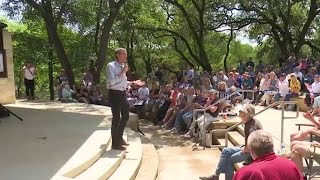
x,y
269,167
174,97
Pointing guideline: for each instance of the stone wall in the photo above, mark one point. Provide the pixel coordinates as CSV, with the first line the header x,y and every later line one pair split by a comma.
x,y
7,86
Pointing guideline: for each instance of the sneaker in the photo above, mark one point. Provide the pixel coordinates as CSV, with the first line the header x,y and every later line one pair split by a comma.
x,y
212,177
174,131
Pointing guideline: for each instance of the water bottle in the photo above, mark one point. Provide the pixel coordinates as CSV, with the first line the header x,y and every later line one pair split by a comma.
x,y
283,149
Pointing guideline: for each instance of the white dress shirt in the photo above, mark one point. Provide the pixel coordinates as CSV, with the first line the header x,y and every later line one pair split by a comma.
x,y
283,88
143,93
115,82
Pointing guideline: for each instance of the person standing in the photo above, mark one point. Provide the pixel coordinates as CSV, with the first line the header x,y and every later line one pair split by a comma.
x,y
117,85
29,75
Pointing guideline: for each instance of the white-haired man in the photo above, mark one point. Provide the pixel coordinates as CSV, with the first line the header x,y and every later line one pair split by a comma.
x,y
266,165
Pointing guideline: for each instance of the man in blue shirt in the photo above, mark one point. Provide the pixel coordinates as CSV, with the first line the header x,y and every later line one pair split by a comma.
x,y
117,85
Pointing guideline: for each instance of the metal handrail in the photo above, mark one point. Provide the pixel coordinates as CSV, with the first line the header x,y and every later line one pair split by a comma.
x,y
207,108
270,106
242,91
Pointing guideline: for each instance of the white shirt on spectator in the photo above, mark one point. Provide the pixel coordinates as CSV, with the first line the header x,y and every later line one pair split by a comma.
x,y
315,87
190,74
143,93
283,88
299,75
29,73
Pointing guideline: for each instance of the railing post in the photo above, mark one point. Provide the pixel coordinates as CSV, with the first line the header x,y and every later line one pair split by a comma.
x,y
282,122
204,136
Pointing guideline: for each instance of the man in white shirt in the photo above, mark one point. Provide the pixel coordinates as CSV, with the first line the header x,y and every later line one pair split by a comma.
x,y
298,73
283,86
117,85
29,75
143,92
189,73
314,90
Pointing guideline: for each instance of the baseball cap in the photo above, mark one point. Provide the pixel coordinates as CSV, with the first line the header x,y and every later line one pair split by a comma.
x,y
248,109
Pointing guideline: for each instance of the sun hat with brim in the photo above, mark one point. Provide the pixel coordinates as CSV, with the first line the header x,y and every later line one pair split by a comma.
x,y
248,109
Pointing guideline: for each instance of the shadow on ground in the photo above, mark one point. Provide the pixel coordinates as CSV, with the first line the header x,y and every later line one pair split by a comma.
x,y
160,137
39,146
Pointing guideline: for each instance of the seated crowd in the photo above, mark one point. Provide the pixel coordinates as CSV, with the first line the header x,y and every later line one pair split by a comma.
x,y
171,104
86,93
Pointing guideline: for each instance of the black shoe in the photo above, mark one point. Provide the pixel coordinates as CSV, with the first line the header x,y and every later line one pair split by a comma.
x,y
124,143
121,148
212,177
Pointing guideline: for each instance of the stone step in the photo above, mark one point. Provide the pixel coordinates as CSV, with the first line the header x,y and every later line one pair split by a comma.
x,y
105,166
236,138
91,150
130,165
150,162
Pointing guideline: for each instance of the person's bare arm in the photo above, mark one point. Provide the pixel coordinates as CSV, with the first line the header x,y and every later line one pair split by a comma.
x,y
315,131
213,108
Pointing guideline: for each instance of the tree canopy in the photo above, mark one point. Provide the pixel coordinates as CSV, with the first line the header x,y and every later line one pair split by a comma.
x,y
77,35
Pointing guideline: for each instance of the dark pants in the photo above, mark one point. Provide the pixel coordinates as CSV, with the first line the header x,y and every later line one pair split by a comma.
x,y
29,87
119,105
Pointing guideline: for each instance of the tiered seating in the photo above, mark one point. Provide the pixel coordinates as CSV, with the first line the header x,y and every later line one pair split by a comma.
x,y
96,160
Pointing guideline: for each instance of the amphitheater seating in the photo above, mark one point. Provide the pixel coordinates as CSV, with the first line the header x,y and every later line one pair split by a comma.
x,y
96,160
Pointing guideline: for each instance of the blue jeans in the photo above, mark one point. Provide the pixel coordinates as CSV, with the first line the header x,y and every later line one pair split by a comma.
x,y
187,117
229,156
179,121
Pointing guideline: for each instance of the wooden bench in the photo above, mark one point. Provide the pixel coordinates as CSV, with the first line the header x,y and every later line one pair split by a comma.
x,y
302,105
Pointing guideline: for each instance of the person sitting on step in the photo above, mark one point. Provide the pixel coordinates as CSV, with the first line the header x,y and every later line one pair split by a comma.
x,y
210,115
231,155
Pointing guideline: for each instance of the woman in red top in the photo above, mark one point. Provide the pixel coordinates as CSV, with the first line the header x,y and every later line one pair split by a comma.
x,y
173,98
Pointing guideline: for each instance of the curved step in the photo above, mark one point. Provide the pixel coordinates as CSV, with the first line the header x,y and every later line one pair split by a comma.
x,y
130,165
104,167
150,161
87,154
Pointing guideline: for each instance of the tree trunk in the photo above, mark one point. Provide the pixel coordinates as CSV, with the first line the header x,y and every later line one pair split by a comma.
x,y
58,46
228,50
50,66
102,55
148,65
104,39
131,60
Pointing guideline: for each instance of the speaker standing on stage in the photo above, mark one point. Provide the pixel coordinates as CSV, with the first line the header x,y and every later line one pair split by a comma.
x,y
117,85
